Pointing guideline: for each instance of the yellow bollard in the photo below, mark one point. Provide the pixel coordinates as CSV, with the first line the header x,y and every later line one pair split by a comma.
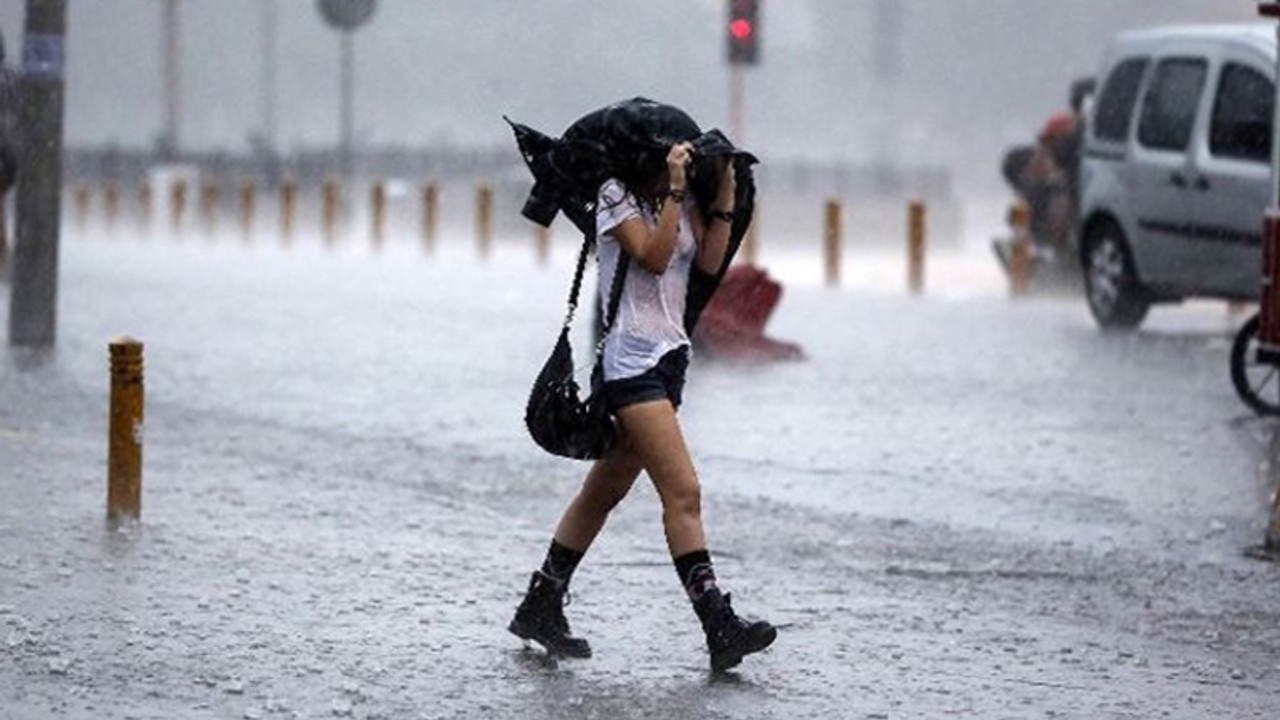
x,y
82,207
125,430
288,205
178,203
248,204
833,241
113,202
542,243
1020,249
331,196
210,195
484,218
378,210
916,243
146,199
430,202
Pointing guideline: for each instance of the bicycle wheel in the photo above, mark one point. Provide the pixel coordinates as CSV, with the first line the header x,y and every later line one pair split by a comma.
x,y
1257,383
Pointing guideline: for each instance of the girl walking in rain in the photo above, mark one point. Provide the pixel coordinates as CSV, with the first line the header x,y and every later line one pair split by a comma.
x,y
647,212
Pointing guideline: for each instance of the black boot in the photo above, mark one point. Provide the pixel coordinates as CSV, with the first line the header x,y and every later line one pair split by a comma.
x,y
729,637
540,618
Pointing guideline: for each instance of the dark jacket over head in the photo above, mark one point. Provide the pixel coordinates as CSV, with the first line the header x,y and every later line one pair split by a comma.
x,y
569,170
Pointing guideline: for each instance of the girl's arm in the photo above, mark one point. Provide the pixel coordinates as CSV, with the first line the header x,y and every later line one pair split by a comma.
x,y
713,235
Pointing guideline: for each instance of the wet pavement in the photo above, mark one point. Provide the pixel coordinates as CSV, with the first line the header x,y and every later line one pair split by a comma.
x,y
960,505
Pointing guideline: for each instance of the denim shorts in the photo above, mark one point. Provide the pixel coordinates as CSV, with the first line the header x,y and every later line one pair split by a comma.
x,y
664,381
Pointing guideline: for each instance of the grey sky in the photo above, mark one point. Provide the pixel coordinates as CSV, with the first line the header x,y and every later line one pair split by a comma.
x,y
976,75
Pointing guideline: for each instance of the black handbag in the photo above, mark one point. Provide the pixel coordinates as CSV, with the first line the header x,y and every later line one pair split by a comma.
x,y
558,420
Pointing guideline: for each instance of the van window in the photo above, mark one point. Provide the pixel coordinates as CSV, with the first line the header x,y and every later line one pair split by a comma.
x,y
1242,115
1115,103
1169,110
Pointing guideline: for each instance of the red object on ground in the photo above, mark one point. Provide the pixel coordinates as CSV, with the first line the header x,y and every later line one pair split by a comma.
x,y
732,326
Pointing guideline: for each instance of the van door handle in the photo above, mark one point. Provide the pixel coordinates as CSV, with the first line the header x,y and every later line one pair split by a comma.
x,y
1178,180
1202,184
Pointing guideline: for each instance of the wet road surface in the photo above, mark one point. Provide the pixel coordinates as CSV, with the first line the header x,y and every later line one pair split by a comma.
x,y
958,506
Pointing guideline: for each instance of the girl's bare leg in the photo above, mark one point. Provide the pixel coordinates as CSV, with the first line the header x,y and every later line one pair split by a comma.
x,y
606,484
654,439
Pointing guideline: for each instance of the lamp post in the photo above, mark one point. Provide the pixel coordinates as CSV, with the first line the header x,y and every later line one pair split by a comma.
x,y
33,308
346,16
742,50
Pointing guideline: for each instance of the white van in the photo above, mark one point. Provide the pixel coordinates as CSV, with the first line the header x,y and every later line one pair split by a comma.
x,y
1177,169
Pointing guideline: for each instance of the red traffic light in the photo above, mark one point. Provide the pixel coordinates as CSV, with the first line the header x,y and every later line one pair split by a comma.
x,y
744,32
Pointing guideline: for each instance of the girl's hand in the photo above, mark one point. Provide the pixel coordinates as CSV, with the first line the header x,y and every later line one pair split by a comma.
x,y
678,159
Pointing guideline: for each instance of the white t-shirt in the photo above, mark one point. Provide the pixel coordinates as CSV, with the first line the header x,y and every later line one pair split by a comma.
x,y
650,320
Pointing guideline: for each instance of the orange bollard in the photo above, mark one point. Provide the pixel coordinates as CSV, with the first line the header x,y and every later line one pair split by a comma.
x,y
430,201
378,211
210,196
146,201
288,205
331,196
542,243
82,207
178,203
112,202
916,243
833,241
248,205
1020,249
125,430
484,218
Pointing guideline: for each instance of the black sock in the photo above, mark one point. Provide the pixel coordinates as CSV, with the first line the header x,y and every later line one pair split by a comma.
x,y
696,573
560,562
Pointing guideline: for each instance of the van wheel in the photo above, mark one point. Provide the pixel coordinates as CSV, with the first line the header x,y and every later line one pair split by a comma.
x,y
1116,298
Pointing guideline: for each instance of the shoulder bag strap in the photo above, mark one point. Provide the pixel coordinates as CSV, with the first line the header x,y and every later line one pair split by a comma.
x,y
615,297
615,292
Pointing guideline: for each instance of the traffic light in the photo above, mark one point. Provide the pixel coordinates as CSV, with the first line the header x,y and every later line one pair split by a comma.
x,y
744,32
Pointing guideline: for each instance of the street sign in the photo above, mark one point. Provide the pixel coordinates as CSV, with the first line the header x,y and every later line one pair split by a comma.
x,y
346,14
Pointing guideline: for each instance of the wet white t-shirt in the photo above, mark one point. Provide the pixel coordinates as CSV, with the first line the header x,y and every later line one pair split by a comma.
x,y
650,320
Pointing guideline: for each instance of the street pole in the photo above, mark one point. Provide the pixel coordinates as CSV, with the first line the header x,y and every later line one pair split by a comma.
x,y
33,304
346,16
737,105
